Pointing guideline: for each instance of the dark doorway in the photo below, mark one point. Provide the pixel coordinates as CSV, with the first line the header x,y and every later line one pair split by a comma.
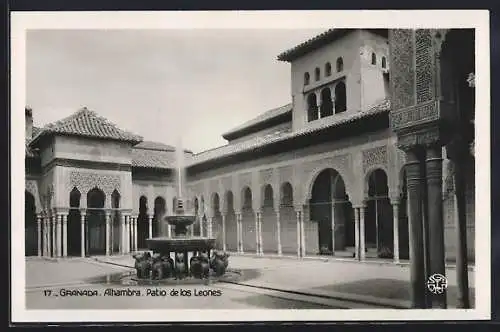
x,y
30,226
96,222
74,224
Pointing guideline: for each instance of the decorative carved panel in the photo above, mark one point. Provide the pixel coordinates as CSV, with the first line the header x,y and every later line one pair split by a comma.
x,y
424,62
245,180
402,71
374,156
266,176
85,181
415,115
340,163
285,174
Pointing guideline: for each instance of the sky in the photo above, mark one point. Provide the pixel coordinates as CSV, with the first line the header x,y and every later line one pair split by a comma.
x,y
169,86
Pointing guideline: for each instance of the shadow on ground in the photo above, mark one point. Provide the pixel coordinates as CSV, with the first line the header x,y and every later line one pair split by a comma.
x,y
385,288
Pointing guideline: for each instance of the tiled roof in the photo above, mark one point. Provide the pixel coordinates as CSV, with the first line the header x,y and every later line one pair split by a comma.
x,y
147,158
292,53
150,145
271,114
29,151
260,141
87,123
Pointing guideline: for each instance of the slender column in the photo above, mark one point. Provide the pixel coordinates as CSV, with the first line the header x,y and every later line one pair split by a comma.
x,y
239,233
362,242
135,233
65,235
461,233
47,235
123,248
434,170
278,232
82,233
44,234
209,226
108,233
242,250
59,235
223,231
54,235
417,266
299,237
39,234
356,234
302,234
395,214
333,228
150,226
127,234
169,230
261,246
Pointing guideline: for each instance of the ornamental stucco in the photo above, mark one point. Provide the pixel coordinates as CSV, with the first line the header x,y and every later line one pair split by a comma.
x,y
424,63
32,187
402,70
374,156
85,181
266,176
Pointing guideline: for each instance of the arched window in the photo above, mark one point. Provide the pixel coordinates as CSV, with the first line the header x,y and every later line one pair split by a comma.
x,y
340,98
384,62
312,107
317,74
328,69
374,59
306,79
340,65
326,103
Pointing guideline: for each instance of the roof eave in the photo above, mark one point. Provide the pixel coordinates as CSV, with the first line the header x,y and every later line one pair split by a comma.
x,y
248,129
48,133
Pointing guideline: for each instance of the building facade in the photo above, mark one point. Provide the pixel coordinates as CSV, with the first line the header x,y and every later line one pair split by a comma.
x,y
323,175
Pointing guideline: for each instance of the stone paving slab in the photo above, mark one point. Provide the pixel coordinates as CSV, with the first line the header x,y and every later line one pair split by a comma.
x,y
385,284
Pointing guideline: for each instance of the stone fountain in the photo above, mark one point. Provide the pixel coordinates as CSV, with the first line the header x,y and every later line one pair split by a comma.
x,y
192,255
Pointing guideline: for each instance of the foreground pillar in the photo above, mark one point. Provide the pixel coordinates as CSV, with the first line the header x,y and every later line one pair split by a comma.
x,y
434,172
417,266
333,228
257,217
356,233
122,234
44,236
82,233
209,226
39,234
395,218
127,234
135,233
261,245
65,235
362,242
461,233
278,232
239,233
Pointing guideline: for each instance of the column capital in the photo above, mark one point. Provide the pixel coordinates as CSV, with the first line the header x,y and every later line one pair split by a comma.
x,y
83,212
395,200
298,208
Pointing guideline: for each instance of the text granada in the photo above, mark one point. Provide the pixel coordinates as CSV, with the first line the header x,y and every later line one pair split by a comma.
x,y
78,292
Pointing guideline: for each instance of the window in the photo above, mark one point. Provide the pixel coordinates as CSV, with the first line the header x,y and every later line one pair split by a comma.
x,y
312,107
374,59
326,108
340,98
306,79
316,74
328,69
384,64
340,65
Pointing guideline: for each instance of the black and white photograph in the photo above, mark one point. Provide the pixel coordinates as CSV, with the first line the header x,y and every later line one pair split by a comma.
x,y
235,166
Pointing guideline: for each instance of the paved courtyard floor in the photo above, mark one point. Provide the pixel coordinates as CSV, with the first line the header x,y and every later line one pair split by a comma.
x,y
284,283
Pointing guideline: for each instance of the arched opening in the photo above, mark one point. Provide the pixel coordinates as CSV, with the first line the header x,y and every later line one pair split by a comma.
x,y
326,103
374,59
312,107
217,221
317,74
288,220
159,227
307,78
328,69
30,225
379,220
331,210
74,224
142,223
340,98
404,235
269,229
115,220
340,65
248,221
384,62
96,222
231,228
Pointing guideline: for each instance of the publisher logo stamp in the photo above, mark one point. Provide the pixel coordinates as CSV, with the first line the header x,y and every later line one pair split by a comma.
x,y
437,284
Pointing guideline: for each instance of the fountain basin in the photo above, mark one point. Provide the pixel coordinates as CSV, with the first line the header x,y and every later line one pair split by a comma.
x,y
180,244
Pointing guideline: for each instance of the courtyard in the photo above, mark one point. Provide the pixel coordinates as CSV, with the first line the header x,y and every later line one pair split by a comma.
x,y
265,283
